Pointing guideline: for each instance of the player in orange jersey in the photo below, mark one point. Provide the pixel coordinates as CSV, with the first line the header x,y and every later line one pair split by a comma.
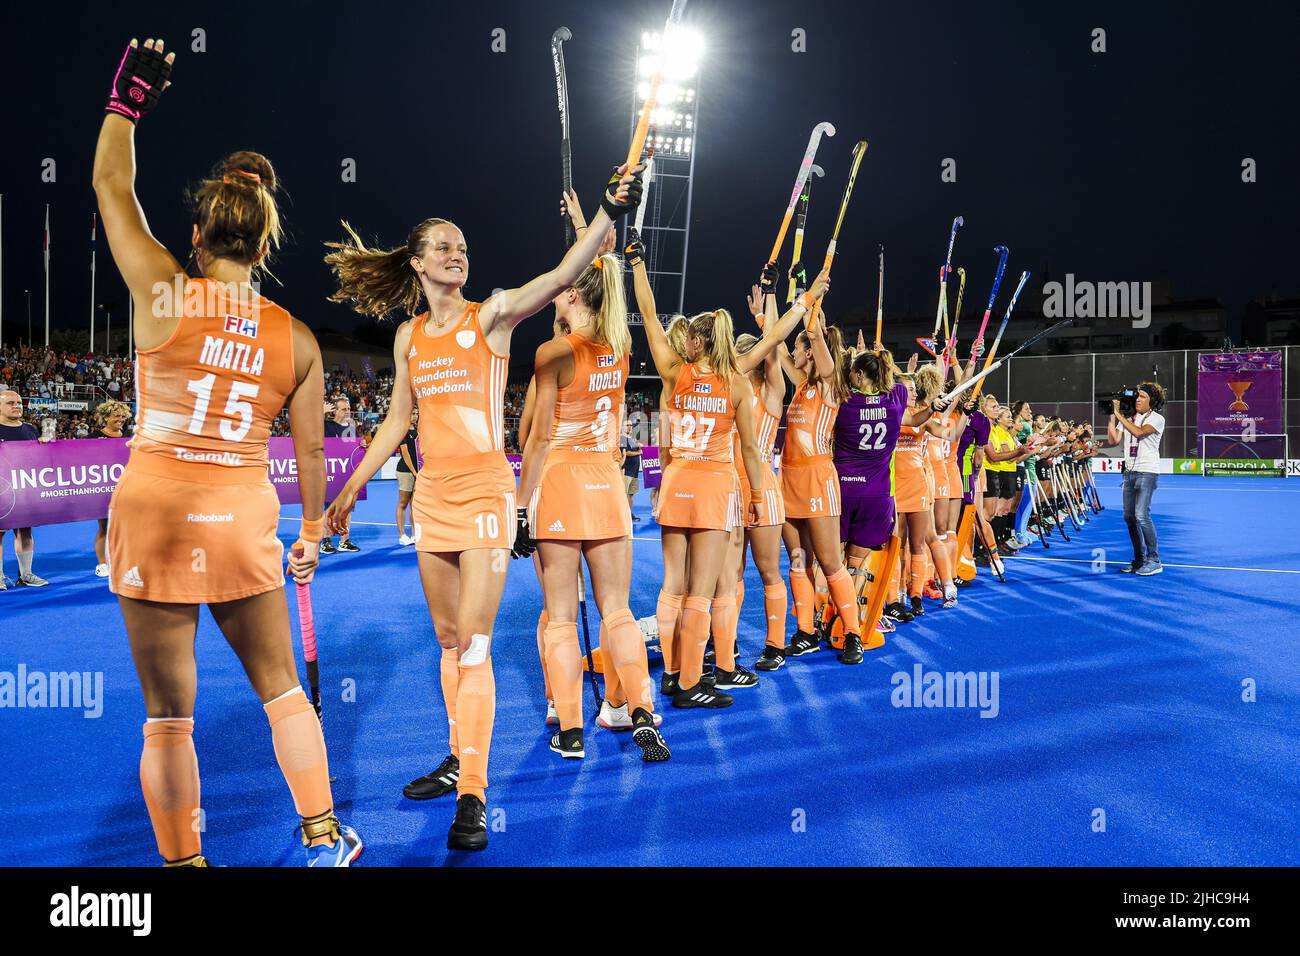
x,y
577,506
193,520
699,501
760,359
811,486
452,359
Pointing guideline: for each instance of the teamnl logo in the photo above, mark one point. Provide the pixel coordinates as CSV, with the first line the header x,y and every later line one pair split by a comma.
x,y
921,688
66,690
1098,300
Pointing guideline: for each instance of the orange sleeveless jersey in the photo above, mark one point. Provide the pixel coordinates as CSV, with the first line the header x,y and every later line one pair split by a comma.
x,y
589,410
938,450
809,425
207,397
909,453
702,416
765,426
459,384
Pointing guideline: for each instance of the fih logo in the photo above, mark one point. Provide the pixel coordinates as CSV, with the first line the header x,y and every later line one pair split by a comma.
x,y
703,388
604,361
238,325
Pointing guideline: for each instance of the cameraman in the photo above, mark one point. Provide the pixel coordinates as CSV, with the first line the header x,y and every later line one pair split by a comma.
x,y
1141,437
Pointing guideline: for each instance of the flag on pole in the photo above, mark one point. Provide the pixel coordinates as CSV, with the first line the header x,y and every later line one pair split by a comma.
x,y
47,275
930,345
94,218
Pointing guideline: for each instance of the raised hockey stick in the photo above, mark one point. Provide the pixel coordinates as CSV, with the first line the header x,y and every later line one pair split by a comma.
x,y
646,180
942,309
950,337
880,298
562,96
800,218
975,379
805,168
978,343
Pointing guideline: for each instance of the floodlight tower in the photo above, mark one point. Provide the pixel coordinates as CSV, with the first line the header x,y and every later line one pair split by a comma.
x,y
674,137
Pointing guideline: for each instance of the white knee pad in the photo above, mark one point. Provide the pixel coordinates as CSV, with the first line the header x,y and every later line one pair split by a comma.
x,y
478,651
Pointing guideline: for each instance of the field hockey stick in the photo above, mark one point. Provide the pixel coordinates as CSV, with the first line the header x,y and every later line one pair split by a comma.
x,y
643,121
978,341
646,180
980,376
805,169
859,150
950,338
586,634
307,632
800,218
942,308
562,96
1051,504
880,298
1034,492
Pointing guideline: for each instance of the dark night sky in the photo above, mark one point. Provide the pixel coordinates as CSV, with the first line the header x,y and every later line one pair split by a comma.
x,y
1122,166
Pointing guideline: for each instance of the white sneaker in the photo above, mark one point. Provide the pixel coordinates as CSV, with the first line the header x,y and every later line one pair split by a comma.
x,y
405,540
553,718
618,718
101,570
31,581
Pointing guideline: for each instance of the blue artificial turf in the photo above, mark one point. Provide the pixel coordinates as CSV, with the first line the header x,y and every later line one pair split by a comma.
x,y
1116,694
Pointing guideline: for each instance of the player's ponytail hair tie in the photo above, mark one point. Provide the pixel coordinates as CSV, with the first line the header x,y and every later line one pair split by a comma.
x,y
597,263
254,177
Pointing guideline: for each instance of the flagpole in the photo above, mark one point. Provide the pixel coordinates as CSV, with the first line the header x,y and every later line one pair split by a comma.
x,y
93,220
47,276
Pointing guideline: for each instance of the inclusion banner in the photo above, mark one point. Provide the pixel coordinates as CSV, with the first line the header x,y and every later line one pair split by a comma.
x,y
1239,394
61,481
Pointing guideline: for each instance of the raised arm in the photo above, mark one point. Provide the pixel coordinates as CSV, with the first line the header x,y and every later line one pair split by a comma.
x,y
142,259
526,414
503,311
667,362
775,333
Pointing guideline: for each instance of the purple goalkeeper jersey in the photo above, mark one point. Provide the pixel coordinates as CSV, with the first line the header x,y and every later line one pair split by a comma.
x,y
976,433
866,432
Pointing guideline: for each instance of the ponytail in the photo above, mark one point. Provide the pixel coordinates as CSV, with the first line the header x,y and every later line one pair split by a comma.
x,y
877,369
377,282
714,330
601,288
841,356
676,333
236,213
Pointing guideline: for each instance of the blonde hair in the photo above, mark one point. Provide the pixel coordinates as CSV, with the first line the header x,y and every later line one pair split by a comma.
x,y
601,288
236,213
108,409
839,355
676,333
377,282
714,330
928,381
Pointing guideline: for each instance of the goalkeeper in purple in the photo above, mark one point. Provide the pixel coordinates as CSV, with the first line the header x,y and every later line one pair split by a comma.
x,y
866,431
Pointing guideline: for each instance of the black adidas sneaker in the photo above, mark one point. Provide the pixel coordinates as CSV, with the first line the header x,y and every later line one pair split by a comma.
x,y
803,643
918,609
701,695
469,829
730,680
771,659
647,737
436,783
568,744
898,611
668,684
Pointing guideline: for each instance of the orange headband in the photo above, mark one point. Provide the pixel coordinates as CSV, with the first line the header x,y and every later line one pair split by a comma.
x,y
241,172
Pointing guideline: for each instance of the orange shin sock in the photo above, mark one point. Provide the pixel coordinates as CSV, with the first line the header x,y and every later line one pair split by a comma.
x,y
775,603
942,566
169,777
845,598
804,598
564,662
300,750
476,705
740,597
723,624
668,613
614,692
694,630
542,621
625,660
450,672
916,576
